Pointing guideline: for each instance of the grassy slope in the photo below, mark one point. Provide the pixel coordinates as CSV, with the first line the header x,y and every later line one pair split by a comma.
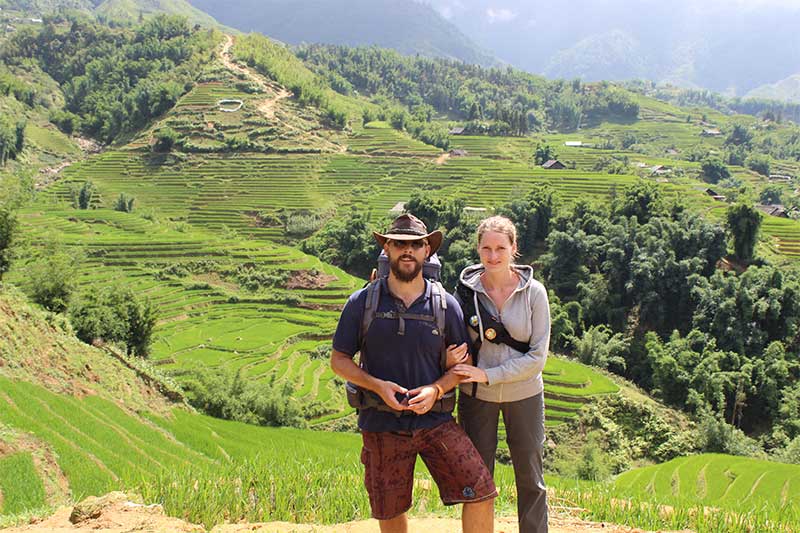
x,y
718,480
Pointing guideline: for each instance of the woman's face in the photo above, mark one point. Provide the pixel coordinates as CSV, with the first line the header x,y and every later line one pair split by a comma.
x,y
496,251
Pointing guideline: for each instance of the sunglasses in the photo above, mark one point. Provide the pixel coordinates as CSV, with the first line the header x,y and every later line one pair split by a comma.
x,y
417,245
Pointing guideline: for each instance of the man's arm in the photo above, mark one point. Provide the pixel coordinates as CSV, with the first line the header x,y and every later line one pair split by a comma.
x,y
343,365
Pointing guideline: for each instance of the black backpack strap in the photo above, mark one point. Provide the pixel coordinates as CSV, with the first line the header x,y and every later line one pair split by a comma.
x,y
439,308
370,310
493,330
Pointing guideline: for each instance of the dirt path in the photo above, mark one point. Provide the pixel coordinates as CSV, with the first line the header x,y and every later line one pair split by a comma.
x,y
269,107
115,513
274,91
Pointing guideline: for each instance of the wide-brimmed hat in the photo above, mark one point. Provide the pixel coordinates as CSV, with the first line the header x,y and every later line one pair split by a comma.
x,y
409,228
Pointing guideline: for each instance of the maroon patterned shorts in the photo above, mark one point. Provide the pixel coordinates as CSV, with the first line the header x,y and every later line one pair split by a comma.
x,y
454,463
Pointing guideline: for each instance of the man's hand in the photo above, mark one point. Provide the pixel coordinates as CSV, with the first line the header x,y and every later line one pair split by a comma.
x,y
456,354
422,399
387,390
470,374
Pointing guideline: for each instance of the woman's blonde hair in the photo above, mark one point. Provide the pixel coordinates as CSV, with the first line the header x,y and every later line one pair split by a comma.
x,y
498,224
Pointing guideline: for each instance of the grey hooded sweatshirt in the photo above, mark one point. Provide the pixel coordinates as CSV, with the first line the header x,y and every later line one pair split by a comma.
x,y
513,375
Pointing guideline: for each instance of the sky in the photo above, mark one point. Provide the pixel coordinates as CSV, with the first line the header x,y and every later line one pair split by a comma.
x,y
503,11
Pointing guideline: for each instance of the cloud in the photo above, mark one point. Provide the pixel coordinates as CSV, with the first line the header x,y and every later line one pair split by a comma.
x,y
500,15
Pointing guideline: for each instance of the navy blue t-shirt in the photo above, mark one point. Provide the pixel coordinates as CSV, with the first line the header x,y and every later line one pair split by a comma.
x,y
411,360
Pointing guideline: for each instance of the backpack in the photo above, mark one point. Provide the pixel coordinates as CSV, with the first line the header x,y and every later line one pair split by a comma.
x,y
365,399
493,330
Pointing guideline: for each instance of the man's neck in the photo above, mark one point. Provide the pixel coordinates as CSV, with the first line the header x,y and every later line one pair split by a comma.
x,y
406,291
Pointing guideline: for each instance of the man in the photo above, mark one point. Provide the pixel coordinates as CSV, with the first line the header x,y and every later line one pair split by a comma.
x,y
401,364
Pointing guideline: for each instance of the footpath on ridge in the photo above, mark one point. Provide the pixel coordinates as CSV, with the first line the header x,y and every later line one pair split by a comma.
x,y
115,512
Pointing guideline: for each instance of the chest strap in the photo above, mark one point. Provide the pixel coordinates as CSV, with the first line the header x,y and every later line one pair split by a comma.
x,y
401,317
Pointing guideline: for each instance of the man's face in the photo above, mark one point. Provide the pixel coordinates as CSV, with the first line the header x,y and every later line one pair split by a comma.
x,y
406,258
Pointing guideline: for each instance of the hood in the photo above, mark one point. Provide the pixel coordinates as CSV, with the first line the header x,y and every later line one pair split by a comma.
x,y
471,276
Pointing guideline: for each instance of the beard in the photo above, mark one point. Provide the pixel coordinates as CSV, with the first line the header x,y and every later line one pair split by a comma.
x,y
406,276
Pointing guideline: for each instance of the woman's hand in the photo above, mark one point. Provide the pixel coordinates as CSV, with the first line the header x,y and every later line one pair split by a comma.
x,y
456,354
470,374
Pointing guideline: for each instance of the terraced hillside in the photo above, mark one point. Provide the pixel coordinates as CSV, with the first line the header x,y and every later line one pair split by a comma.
x,y
208,315
719,481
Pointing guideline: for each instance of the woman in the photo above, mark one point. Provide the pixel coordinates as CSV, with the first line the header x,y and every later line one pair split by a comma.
x,y
511,336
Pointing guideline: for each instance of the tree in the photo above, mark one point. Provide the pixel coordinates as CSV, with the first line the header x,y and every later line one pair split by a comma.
x,y
543,154
8,142
124,203
166,138
744,222
114,313
771,195
740,135
758,163
714,171
19,137
8,228
642,200
52,277
82,198
601,347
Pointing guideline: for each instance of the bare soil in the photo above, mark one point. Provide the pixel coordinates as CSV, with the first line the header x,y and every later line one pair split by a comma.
x,y
303,279
117,513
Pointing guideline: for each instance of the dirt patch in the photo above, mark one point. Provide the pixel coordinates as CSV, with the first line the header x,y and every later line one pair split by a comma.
x,y
305,279
114,512
117,512
442,158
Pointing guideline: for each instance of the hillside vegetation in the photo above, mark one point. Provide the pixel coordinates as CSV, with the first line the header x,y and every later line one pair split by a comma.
x,y
216,236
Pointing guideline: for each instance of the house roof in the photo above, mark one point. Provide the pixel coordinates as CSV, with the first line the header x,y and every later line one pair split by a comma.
x,y
772,210
456,131
552,163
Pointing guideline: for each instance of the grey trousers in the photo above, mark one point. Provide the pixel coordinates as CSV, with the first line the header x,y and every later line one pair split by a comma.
x,y
524,422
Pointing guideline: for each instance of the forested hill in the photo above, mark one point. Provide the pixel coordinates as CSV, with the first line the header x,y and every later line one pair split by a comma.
x,y
116,11
407,26
112,81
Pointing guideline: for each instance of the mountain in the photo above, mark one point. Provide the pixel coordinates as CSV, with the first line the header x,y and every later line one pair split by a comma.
x,y
613,55
409,27
787,90
730,47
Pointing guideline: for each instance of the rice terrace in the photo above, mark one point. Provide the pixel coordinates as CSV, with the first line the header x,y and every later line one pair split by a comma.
x,y
185,209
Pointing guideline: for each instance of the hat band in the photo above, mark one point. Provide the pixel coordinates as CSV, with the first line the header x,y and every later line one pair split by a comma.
x,y
400,231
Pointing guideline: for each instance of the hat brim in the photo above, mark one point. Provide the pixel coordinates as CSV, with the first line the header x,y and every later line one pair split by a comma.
x,y
434,238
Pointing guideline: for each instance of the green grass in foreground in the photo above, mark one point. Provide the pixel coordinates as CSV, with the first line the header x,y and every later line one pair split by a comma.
x,y
211,471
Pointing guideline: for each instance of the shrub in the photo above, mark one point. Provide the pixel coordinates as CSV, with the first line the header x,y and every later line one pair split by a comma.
x,y
717,436
592,465
114,314
165,139
758,163
8,228
82,198
601,347
51,278
714,171
124,203
230,396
